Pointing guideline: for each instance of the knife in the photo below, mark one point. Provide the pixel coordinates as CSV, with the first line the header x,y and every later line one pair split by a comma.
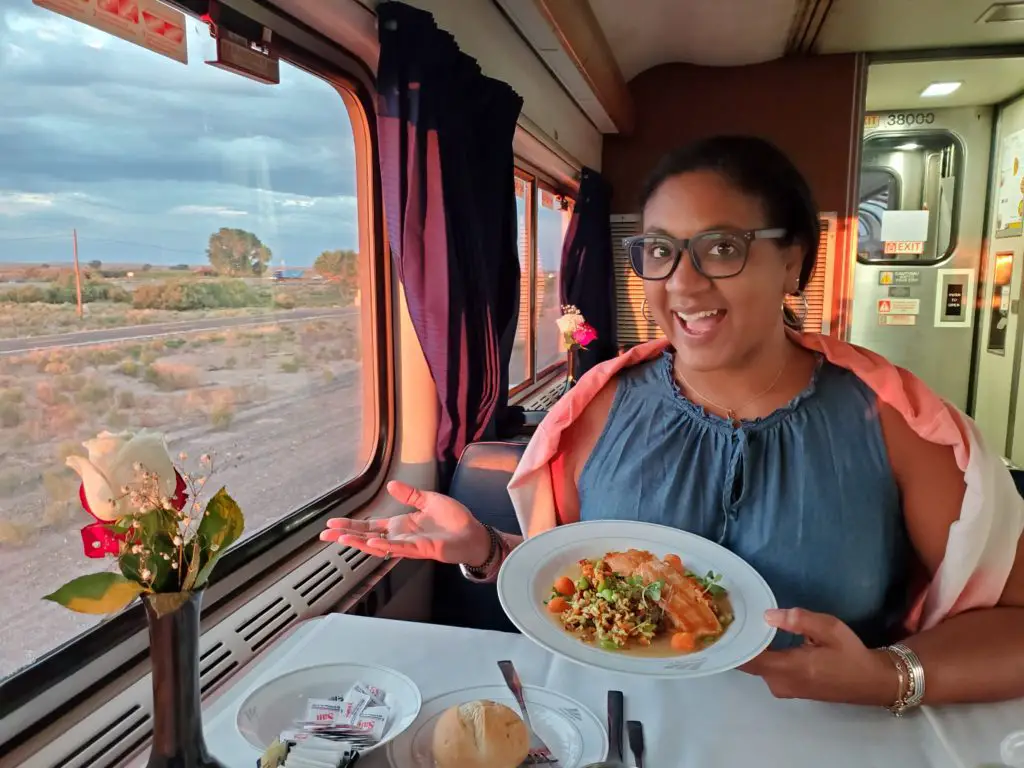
x,y
615,725
635,731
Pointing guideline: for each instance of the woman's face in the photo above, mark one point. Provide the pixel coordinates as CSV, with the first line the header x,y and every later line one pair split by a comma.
x,y
716,324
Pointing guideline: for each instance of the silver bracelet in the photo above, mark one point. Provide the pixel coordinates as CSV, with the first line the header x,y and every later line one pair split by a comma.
x,y
911,664
487,573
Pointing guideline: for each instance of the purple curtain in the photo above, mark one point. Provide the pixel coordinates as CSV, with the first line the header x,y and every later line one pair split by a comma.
x,y
445,134
587,267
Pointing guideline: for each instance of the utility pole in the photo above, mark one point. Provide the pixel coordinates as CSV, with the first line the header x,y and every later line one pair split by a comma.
x,y
78,272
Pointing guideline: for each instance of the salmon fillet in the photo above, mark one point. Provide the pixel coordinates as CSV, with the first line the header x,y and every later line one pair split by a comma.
x,y
687,607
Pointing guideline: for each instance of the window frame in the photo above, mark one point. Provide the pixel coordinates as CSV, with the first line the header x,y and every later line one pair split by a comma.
x,y
535,183
954,229
97,657
531,269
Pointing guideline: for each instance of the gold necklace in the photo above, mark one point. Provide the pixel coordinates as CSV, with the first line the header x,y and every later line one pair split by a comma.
x,y
730,413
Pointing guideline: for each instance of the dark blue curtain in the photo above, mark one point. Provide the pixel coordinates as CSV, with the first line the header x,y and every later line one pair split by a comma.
x,y
587,267
445,134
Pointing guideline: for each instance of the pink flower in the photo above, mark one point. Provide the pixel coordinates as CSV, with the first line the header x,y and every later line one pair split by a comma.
x,y
584,334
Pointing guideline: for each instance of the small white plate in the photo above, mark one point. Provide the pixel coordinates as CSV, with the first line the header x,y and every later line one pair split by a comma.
x,y
277,704
571,731
526,577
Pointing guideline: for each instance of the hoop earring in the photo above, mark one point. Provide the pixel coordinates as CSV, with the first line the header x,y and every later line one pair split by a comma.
x,y
804,307
645,311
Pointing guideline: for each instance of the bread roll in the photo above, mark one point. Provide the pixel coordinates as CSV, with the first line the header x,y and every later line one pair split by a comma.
x,y
480,734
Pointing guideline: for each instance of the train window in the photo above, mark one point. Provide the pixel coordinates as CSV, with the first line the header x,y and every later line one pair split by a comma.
x,y
552,221
225,293
543,217
909,193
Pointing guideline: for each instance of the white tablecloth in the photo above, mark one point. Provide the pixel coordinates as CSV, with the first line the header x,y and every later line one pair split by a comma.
x,y
725,721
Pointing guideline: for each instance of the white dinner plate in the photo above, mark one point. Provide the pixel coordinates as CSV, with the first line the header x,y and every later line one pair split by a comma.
x,y
277,704
571,731
527,575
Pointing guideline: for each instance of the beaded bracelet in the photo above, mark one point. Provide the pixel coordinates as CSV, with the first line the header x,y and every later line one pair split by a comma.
x,y
487,573
911,675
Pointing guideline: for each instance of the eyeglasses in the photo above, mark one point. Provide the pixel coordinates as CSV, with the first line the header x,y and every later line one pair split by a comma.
x,y
715,254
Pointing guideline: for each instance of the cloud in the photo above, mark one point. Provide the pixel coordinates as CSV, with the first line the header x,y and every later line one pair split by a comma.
x,y
207,210
23,203
146,157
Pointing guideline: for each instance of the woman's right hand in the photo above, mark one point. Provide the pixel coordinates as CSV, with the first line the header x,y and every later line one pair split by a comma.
x,y
439,529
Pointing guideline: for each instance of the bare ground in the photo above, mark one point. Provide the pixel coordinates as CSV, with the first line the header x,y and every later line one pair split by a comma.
x,y
279,406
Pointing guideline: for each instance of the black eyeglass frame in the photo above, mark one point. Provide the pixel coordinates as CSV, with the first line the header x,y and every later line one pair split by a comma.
x,y
747,236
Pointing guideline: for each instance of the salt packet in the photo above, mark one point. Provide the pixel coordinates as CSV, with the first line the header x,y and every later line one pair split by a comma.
x,y
324,711
373,721
307,737
353,706
376,695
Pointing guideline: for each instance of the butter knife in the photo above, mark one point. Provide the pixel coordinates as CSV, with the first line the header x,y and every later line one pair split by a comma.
x,y
616,710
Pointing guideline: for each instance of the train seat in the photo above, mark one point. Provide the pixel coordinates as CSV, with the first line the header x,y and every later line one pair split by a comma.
x,y
480,482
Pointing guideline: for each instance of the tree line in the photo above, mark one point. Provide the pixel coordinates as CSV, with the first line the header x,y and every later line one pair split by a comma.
x,y
239,253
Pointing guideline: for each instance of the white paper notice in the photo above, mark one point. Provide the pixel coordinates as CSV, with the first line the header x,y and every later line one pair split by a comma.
x,y
905,226
1010,193
148,23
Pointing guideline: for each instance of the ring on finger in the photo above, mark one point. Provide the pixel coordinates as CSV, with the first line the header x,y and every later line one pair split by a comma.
x,y
387,553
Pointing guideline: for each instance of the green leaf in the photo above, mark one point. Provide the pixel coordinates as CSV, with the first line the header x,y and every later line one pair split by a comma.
x,y
154,536
192,573
222,522
654,590
221,526
124,524
97,593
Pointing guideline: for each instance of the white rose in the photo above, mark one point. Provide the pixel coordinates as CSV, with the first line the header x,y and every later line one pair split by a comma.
x,y
111,466
569,323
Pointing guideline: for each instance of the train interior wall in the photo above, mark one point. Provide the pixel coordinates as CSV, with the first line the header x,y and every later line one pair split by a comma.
x,y
997,380
809,107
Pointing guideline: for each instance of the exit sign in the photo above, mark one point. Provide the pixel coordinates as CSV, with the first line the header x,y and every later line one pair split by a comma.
x,y
896,247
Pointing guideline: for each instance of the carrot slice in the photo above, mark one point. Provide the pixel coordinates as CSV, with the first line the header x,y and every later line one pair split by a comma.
x,y
565,586
683,641
557,604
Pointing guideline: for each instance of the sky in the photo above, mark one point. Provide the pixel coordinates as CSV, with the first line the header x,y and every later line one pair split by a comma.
x,y
146,157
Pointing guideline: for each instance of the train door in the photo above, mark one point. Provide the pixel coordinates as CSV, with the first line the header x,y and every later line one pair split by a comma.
x,y
1000,341
921,218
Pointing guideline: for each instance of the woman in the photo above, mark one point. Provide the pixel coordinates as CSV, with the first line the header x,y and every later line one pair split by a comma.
x,y
740,433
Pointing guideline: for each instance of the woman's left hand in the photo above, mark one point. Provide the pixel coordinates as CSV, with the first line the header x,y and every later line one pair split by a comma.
x,y
832,664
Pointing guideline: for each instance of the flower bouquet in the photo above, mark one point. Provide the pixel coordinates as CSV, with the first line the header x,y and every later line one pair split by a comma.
x,y
577,333
149,516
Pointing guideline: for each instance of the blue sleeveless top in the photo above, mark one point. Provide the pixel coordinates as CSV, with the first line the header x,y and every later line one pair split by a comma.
x,y
806,495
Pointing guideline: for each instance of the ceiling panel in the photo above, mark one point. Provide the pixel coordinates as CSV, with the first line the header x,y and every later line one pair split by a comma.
x,y
985,81
646,33
896,25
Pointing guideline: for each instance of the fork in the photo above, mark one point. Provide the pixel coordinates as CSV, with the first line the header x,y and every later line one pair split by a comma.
x,y
539,753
